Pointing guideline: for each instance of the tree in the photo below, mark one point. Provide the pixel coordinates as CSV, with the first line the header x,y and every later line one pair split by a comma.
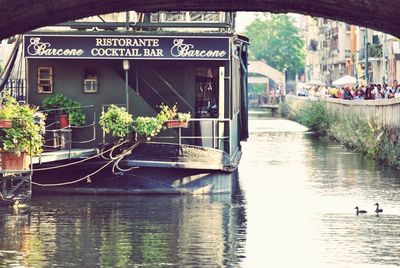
x,y
275,39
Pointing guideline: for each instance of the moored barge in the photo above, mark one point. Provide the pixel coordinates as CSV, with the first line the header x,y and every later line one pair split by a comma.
x,y
146,64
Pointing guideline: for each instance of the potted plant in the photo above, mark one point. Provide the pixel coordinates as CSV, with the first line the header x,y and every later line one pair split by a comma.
x,y
174,119
66,110
23,137
116,121
119,123
148,127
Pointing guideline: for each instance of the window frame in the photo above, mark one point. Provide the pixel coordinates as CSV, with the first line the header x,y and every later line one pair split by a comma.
x,y
91,75
41,80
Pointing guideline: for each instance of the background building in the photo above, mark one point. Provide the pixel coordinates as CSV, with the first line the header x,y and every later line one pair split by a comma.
x,y
335,49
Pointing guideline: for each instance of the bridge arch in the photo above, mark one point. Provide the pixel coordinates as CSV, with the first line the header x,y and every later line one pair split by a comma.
x,y
18,16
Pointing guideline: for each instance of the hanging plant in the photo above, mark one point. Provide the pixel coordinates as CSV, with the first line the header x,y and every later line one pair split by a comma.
x,y
73,108
25,133
116,121
119,123
147,126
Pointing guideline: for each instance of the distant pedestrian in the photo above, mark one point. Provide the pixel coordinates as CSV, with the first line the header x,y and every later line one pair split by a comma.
x,y
391,91
368,94
379,94
384,89
359,95
347,94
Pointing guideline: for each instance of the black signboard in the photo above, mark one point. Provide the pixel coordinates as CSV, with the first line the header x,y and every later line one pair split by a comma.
x,y
126,47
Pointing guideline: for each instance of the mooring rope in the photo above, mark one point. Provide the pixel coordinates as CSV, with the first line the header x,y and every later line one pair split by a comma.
x,y
87,177
124,153
116,161
81,161
111,151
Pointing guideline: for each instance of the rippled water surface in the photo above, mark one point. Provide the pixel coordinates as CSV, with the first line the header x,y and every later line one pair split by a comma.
x,y
293,207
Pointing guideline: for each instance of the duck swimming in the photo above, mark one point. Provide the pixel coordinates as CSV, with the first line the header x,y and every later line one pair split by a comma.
x,y
359,211
378,210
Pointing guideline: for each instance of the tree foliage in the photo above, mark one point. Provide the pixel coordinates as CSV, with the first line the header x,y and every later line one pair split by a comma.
x,y
275,39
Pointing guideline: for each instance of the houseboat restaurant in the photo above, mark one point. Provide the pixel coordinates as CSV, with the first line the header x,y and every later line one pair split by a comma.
x,y
202,73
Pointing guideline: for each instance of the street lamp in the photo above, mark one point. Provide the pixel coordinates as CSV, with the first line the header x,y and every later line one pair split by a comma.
x,y
125,66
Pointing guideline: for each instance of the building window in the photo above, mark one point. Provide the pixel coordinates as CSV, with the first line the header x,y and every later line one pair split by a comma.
x,y
45,79
90,81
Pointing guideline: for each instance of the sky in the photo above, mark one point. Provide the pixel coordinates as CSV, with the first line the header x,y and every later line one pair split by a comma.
x,y
243,19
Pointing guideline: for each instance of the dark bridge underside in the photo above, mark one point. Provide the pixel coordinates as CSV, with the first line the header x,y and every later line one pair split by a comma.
x,y
18,16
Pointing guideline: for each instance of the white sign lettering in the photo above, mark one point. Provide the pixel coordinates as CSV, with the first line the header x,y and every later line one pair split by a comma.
x,y
122,47
181,49
127,42
37,48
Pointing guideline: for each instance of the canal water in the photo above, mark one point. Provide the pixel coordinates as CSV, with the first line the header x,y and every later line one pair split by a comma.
x,y
293,206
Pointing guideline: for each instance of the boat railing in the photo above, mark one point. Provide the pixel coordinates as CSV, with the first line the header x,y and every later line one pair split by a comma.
x,y
17,89
58,133
206,132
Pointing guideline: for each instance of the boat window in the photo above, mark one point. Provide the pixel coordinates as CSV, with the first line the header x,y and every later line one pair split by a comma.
x,y
90,81
45,79
206,92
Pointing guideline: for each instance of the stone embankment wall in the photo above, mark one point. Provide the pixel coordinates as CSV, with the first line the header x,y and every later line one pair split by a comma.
x,y
385,113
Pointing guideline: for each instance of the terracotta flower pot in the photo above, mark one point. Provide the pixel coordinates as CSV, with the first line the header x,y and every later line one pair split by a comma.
x,y
63,121
176,124
12,161
5,123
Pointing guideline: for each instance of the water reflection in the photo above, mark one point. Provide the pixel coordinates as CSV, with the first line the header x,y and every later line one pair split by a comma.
x,y
293,206
114,231
301,199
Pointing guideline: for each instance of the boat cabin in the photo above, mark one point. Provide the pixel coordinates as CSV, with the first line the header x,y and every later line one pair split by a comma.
x,y
201,70
77,70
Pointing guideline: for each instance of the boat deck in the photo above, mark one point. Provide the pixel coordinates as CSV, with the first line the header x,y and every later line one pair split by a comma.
x,y
182,156
160,155
58,155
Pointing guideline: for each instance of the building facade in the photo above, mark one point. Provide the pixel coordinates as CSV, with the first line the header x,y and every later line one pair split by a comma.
x,y
335,49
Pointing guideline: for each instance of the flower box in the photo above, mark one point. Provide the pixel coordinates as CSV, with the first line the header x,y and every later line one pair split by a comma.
x,y
13,161
5,123
176,124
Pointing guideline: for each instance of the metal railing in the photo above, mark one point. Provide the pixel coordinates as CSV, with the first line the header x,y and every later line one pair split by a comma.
x,y
206,132
17,89
212,133
59,137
